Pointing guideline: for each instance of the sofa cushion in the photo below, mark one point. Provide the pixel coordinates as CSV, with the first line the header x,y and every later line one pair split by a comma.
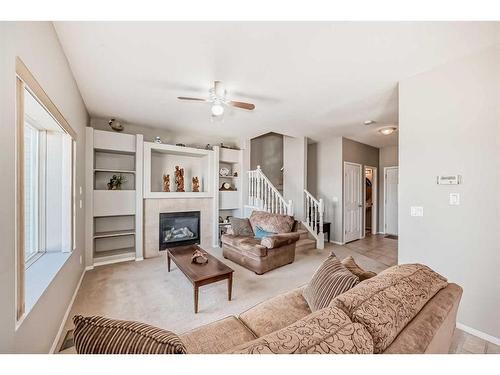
x,y
278,240
431,331
386,303
326,331
217,337
245,244
271,222
329,280
352,266
261,233
98,335
241,227
276,313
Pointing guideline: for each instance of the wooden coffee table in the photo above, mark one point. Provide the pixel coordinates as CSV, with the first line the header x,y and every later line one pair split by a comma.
x,y
200,274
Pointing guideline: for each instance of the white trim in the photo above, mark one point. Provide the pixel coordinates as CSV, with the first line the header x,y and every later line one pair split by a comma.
x,y
112,261
374,218
384,193
66,314
337,243
89,268
482,335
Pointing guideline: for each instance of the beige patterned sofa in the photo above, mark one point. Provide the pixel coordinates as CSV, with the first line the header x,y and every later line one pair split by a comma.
x,y
263,255
406,309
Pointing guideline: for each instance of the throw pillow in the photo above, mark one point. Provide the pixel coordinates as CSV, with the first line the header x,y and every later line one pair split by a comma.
x,y
352,266
330,280
241,226
98,335
261,233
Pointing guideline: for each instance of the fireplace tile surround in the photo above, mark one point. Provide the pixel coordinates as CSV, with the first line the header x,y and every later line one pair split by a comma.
x,y
153,208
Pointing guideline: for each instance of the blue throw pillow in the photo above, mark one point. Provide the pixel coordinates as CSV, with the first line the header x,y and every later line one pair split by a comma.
x,y
261,233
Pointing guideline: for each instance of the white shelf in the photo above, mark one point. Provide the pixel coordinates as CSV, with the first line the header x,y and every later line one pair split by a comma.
x,y
116,233
174,194
113,170
234,177
114,256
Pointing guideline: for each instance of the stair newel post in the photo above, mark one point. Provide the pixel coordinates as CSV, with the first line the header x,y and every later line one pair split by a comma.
x,y
320,242
259,201
290,207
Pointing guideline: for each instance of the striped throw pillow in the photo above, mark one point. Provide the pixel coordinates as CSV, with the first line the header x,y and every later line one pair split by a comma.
x,y
330,280
98,335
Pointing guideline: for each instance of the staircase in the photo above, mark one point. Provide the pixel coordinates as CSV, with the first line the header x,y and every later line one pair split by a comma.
x,y
313,222
263,196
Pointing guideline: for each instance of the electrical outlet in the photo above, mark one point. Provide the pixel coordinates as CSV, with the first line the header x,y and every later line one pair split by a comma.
x,y
81,260
454,199
81,203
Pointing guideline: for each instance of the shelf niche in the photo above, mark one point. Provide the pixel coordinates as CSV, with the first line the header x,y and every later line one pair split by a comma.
x,y
160,159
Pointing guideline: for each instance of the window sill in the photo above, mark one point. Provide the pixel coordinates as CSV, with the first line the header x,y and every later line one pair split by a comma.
x,y
40,274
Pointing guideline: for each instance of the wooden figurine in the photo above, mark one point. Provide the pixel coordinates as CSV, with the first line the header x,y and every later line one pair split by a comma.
x,y
179,179
166,183
196,185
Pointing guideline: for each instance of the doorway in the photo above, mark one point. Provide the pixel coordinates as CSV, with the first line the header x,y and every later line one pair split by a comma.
x,y
353,202
370,209
391,177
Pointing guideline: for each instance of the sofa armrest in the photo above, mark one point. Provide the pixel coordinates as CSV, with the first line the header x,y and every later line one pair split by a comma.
x,y
279,240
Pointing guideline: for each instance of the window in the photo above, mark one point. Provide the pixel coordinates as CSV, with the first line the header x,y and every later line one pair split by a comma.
x,y
45,222
31,193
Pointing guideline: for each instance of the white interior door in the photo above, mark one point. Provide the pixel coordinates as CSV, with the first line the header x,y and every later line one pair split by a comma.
x,y
391,200
353,204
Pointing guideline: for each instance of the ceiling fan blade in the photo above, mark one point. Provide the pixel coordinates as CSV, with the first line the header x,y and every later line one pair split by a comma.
x,y
195,99
243,105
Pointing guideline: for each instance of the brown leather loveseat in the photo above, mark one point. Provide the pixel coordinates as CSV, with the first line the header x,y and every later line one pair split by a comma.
x,y
263,255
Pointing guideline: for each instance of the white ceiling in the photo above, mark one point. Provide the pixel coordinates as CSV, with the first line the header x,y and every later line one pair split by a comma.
x,y
306,79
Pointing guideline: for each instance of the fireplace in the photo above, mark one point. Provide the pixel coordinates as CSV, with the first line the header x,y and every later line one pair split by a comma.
x,y
179,229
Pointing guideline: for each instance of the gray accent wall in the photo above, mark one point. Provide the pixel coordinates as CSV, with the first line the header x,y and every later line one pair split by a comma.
x,y
360,153
388,158
450,124
267,151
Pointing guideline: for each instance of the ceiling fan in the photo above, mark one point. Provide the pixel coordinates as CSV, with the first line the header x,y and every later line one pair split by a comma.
x,y
217,96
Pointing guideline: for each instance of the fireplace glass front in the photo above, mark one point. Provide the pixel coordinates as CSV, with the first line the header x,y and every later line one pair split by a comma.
x,y
179,229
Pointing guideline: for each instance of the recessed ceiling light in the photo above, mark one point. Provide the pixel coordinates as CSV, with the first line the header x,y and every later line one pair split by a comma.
x,y
388,130
369,122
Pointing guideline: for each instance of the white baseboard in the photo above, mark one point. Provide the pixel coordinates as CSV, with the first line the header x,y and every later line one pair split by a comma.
x,y
89,268
337,243
139,259
66,314
482,335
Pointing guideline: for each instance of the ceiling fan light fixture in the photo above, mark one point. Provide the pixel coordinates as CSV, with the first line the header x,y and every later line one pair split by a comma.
x,y
217,109
387,130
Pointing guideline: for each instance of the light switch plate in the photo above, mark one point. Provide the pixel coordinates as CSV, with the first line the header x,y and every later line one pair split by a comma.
x,y
416,211
454,199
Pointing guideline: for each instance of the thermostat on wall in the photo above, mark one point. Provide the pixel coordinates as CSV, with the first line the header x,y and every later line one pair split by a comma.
x,y
449,180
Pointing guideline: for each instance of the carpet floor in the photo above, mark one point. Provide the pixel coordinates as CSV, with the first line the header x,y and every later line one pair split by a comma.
x,y
144,291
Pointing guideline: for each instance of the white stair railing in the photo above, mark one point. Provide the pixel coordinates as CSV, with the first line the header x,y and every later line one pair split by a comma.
x,y
263,195
313,218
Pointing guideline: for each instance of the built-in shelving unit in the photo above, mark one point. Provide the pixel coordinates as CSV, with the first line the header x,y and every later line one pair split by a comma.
x,y
160,159
114,217
227,202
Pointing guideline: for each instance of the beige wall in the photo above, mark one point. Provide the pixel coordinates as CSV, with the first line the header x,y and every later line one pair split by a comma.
x,y
388,158
189,139
450,124
326,179
37,45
